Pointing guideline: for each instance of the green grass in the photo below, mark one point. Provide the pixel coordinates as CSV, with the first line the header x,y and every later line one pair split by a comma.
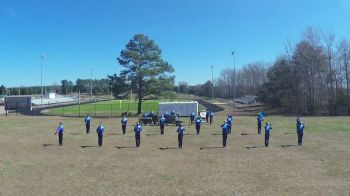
x,y
319,167
105,108
312,124
108,108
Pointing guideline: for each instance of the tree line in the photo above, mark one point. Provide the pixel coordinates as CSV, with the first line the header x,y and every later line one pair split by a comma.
x,y
248,80
99,86
310,77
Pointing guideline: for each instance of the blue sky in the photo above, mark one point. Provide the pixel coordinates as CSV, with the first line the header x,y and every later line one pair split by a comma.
x,y
193,34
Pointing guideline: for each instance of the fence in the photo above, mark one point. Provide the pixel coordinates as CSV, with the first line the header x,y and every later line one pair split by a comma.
x,y
102,110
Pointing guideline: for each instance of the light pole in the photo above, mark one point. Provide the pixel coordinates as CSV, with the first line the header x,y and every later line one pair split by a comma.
x,y
234,81
212,82
42,90
91,83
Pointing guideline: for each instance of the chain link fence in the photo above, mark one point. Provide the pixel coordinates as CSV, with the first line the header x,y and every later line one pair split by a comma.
x,y
102,110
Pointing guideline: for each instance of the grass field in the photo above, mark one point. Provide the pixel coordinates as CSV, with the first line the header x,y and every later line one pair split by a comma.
x,y
31,163
107,108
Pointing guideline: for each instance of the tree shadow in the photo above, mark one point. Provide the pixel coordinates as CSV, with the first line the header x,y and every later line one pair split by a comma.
x,y
289,145
252,147
46,145
168,148
248,134
290,133
125,147
210,147
89,146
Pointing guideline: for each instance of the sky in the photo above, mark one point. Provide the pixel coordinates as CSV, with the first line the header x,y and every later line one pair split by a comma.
x,y
76,36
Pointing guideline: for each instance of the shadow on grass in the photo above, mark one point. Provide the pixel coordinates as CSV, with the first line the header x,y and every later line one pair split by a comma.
x,y
151,134
125,147
168,148
190,134
210,147
216,134
289,145
290,133
114,134
76,133
46,145
252,147
90,146
248,134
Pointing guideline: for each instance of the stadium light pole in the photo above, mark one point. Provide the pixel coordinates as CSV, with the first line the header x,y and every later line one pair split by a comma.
x,y
212,82
91,82
234,80
41,81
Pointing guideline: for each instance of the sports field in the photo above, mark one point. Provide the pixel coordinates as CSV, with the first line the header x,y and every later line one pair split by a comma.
x,y
31,162
107,108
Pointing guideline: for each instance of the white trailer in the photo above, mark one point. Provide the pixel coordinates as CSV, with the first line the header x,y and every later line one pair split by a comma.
x,y
183,108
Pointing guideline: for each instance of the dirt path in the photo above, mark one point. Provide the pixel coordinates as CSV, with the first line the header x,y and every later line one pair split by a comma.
x,y
210,106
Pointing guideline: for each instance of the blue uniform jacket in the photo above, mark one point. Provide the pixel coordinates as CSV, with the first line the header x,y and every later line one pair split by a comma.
x,y
166,114
181,130
124,121
162,121
301,129
198,122
60,129
87,120
225,128
229,120
137,129
267,129
259,119
100,129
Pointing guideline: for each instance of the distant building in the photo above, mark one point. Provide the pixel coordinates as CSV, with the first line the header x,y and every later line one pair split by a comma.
x,y
248,99
50,95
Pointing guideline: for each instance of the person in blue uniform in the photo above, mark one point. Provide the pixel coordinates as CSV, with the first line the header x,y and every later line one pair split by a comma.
x,y
229,123
59,132
180,135
124,122
138,130
207,116
172,112
166,114
192,118
162,124
151,115
300,133
99,130
268,129
298,121
259,120
87,123
211,117
225,129
198,124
